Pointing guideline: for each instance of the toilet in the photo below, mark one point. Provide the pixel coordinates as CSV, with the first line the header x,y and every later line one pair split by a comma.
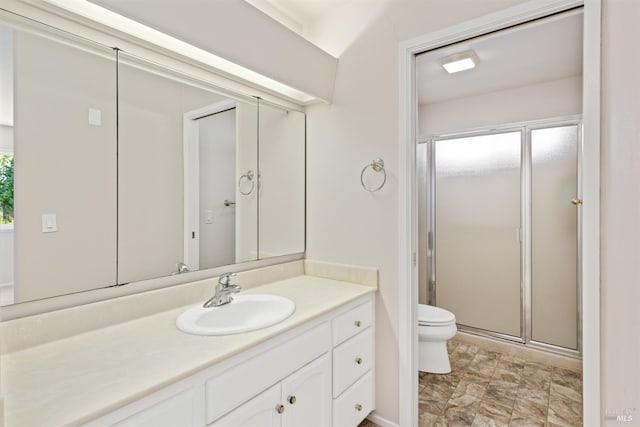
x,y
435,326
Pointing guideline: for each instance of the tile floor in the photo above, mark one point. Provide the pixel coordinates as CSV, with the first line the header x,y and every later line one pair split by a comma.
x,y
488,388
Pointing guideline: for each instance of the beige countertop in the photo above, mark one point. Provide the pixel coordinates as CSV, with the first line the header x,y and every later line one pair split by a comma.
x,y
82,377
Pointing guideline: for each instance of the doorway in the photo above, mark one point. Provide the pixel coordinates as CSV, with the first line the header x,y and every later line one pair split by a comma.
x,y
590,210
210,154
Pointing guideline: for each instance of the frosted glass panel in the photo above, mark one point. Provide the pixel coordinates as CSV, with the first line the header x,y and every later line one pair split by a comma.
x,y
477,221
554,228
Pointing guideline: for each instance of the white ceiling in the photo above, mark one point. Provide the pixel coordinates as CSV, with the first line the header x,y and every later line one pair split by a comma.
x,y
540,51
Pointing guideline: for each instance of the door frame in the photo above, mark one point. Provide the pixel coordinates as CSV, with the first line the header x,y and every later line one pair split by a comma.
x,y
191,174
407,196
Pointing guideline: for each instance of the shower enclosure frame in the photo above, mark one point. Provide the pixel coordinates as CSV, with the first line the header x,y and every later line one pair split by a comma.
x,y
525,129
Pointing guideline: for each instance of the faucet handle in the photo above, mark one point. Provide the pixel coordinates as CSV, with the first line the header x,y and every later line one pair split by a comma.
x,y
225,278
181,267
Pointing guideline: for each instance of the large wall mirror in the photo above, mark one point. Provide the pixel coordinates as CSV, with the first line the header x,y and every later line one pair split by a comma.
x,y
121,170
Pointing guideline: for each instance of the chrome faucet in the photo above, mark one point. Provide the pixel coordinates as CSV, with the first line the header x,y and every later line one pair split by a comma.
x,y
181,267
224,289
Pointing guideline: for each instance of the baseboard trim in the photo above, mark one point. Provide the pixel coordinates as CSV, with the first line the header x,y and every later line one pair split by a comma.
x,y
383,422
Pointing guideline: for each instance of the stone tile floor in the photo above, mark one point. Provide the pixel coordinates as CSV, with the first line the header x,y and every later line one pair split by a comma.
x,y
488,388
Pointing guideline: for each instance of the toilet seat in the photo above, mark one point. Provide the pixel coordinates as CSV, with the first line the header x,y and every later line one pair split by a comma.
x,y
429,315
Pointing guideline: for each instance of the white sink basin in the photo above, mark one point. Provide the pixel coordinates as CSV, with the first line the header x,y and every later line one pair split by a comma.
x,y
244,314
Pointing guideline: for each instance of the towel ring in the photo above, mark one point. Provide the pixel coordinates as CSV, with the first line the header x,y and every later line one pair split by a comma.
x,y
249,177
376,165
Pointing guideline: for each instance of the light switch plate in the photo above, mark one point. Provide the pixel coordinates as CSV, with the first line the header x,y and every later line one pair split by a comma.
x,y
49,223
95,117
208,217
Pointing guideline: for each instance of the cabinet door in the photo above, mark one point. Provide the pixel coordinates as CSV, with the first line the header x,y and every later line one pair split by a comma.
x,y
306,395
184,409
261,411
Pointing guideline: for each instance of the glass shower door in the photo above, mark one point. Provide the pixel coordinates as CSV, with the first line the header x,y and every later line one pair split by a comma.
x,y
554,231
477,183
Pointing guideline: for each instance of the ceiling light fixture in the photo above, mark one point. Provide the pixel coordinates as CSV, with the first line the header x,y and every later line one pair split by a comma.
x,y
460,62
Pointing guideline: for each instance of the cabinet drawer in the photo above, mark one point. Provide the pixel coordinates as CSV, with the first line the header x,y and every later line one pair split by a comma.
x,y
240,383
350,323
355,404
351,360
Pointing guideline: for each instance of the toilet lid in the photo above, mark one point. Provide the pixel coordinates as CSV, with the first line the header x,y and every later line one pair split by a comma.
x,y
430,315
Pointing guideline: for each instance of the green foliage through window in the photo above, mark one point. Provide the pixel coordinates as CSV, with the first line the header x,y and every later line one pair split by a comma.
x,y
6,189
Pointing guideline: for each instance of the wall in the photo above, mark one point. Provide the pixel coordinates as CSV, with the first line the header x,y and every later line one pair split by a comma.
x,y
6,256
6,82
281,205
540,101
267,47
246,160
345,223
150,169
55,146
620,274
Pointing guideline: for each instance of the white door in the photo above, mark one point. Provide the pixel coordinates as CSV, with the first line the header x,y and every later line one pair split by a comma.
x,y
217,156
261,411
306,395
184,409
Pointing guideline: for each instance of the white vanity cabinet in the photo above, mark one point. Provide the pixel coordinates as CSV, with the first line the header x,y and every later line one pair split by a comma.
x,y
318,374
353,365
302,399
184,409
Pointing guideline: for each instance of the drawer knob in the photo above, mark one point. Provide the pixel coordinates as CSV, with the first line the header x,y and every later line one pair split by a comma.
x,y
359,360
358,407
357,323
292,399
280,409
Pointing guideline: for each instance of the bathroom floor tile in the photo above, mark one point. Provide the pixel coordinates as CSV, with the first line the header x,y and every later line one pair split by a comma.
x,y
488,388
495,411
530,409
564,412
426,419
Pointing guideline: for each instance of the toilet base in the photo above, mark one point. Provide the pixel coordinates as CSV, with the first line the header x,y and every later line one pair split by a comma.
x,y
433,357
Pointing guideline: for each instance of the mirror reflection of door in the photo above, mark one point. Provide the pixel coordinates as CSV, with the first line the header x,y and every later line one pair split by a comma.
x,y
217,164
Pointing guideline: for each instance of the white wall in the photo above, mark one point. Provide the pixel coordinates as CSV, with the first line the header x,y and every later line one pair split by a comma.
x,y
6,256
540,101
63,166
265,46
281,204
150,169
345,223
6,76
246,160
620,210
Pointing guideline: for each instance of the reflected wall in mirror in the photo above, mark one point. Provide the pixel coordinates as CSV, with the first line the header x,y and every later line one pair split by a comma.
x,y
125,168
180,143
59,121
282,181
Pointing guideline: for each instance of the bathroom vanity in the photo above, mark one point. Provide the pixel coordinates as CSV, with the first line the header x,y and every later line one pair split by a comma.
x,y
314,368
